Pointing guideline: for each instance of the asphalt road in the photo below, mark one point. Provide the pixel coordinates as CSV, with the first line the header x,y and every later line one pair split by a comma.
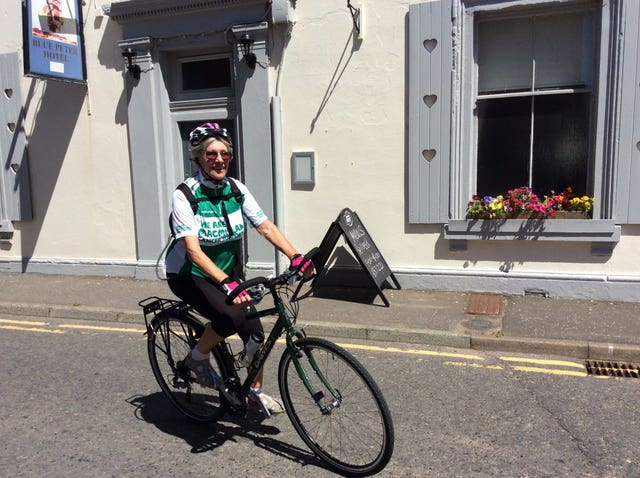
x,y
79,399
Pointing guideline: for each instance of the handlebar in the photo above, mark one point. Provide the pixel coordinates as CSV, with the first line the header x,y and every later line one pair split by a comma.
x,y
291,274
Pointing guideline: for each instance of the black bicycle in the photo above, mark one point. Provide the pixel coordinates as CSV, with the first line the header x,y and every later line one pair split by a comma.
x,y
332,401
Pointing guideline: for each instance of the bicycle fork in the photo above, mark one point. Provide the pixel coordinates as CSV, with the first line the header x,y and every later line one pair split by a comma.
x,y
317,395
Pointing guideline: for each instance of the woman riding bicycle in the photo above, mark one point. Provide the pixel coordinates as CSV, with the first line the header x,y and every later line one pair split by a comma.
x,y
202,259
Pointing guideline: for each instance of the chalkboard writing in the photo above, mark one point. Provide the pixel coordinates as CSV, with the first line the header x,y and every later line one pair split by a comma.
x,y
349,226
361,243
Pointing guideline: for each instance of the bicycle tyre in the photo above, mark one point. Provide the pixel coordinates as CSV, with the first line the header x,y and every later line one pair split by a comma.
x,y
356,437
170,340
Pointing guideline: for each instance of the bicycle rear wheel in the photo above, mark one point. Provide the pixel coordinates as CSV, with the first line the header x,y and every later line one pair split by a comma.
x,y
172,337
350,429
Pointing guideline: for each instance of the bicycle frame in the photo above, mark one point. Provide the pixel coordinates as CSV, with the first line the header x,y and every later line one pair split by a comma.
x,y
285,324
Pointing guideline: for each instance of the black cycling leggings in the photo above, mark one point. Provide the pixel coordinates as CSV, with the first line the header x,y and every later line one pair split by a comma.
x,y
205,296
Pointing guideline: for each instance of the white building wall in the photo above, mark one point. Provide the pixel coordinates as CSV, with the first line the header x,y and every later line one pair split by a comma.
x,y
341,98
346,100
78,155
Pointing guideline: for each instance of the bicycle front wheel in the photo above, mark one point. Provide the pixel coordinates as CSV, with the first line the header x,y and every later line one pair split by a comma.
x,y
170,340
344,419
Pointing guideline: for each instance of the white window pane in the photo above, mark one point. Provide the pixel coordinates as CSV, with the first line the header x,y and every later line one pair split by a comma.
x,y
563,50
505,55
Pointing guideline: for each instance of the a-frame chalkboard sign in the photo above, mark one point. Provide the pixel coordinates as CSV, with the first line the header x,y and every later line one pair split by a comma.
x,y
349,225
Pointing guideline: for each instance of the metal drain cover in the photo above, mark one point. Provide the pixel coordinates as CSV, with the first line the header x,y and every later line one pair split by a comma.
x,y
612,369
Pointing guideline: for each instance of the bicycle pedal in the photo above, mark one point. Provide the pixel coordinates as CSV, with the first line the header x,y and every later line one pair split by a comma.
x,y
231,396
256,404
182,371
179,384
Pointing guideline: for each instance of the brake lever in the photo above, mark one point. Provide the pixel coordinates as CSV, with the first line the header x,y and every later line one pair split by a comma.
x,y
293,278
257,293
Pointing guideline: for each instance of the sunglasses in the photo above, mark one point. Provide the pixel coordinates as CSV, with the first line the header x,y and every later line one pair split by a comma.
x,y
214,154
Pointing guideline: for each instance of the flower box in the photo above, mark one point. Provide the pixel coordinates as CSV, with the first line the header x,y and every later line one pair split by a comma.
x,y
523,203
526,215
570,215
589,230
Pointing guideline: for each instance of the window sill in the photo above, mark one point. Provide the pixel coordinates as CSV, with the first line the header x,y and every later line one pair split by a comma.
x,y
579,230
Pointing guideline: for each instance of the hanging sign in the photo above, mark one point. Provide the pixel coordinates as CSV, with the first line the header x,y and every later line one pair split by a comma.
x,y
53,42
349,226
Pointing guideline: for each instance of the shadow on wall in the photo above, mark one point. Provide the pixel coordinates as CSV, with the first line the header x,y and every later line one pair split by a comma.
x,y
110,56
343,62
520,252
58,110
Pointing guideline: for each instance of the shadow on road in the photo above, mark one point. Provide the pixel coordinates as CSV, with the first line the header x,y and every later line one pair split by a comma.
x,y
156,410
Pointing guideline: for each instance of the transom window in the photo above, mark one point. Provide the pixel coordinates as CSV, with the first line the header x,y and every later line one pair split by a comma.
x,y
205,74
534,102
198,77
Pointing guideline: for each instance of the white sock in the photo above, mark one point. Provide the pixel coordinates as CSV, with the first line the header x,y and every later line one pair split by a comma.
x,y
197,355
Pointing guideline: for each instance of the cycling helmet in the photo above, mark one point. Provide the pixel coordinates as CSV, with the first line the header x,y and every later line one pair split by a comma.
x,y
208,130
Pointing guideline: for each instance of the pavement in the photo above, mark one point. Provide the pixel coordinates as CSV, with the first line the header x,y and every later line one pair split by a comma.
x,y
584,329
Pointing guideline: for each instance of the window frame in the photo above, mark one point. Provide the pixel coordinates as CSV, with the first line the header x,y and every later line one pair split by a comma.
x,y
178,93
536,92
439,188
599,229
467,159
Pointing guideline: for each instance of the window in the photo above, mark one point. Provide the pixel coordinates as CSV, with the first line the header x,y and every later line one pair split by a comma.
x,y
536,93
205,74
534,101
196,77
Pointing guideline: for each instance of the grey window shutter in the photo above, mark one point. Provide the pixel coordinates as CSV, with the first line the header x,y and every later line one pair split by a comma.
x,y
627,170
430,90
15,193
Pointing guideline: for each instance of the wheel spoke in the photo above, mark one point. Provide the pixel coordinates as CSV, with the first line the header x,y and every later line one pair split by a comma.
x,y
356,436
172,338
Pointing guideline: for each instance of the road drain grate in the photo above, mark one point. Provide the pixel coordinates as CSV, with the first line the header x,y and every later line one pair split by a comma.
x,y
612,369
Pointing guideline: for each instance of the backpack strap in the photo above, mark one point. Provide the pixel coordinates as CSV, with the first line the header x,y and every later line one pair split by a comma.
x,y
182,187
235,193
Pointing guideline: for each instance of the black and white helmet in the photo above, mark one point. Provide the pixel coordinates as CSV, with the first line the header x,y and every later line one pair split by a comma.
x,y
208,130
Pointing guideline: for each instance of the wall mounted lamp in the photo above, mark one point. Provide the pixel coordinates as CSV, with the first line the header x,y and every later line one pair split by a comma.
x,y
133,69
357,16
246,45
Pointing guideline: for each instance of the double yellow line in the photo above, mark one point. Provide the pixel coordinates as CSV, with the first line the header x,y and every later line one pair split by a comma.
x,y
549,367
30,326
533,365
521,364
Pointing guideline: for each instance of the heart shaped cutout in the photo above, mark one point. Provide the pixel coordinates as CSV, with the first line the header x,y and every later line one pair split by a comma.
x,y
430,44
8,92
430,100
15,167
429,154
11,126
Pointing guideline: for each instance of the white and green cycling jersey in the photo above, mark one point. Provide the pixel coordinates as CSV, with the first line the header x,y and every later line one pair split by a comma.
x,y
219,234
